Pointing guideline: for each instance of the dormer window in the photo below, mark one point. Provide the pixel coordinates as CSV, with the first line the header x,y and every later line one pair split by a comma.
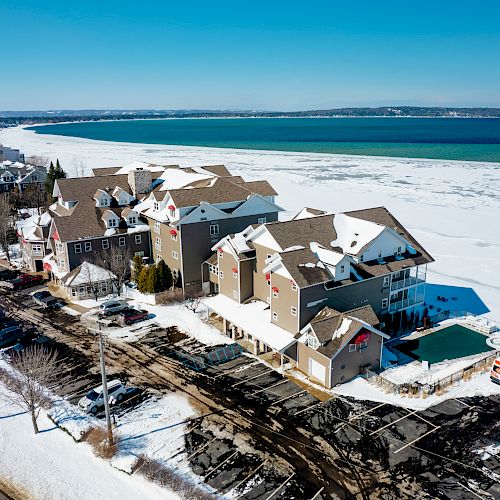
x,y
132,220
171,209
156,206
113,222
361,258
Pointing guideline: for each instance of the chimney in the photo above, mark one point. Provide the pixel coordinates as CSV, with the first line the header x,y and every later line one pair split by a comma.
x,y
139,181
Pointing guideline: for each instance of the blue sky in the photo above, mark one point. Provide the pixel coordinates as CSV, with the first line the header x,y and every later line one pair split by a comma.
x,y
248,55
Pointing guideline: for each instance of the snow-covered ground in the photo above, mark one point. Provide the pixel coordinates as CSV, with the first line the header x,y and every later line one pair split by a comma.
x,y
51,466
451,207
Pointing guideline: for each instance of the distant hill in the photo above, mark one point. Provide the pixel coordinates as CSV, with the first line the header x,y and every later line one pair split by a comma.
x,y
9,118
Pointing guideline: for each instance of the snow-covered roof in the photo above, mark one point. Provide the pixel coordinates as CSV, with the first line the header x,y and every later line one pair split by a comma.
x,y
325,255
86,273
139,165
254,318
177,178
354,234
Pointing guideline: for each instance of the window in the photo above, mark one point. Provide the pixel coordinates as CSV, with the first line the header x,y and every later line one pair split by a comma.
x,y
342,269
261,220
37,249
213,269
275,294
175,255
172,212
386,280
268,256
121,241
173,236
158,258
214,229
156,206
293,311
235,275
294,287
157,226
235,294
78,248
400,249
352,347
363,344
275,316
384,303
312,341
132,220
361,257
397,274
105,244
222,275
158,243
138,239
88,246
113,222
139,254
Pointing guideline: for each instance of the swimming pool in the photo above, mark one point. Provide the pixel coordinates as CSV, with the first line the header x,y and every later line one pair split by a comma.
x,y
451,342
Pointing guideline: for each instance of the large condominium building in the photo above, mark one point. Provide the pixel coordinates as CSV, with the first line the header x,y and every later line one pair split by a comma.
x,y
321,288
190,209
93,215
16,174
10,154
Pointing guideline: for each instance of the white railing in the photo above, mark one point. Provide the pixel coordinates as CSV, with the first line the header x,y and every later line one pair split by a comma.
x,y
404,283
402,304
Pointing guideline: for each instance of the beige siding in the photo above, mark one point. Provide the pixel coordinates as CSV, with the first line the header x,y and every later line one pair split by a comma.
x,y
354,361
260,285
303,354
228,283
282,305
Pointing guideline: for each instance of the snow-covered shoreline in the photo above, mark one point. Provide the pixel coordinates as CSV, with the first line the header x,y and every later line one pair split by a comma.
x,y
450,206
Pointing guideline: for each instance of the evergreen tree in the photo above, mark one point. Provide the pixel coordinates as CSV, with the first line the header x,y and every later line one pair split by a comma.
x,y
165,280
142,279
152,279
54,173
137,268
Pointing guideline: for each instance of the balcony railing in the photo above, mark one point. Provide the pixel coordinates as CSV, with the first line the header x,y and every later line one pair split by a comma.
x,y
404,283
403,304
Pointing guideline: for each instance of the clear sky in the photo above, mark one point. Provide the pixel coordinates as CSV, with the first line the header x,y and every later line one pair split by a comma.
x,y
274,55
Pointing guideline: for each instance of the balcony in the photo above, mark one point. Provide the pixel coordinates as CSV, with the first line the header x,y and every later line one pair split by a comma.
x,y
405,283
403,304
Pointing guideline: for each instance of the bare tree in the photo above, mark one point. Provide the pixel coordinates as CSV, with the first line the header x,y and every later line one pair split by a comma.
x,y
7,231
35,197
34,370
79,168
116,262
37,161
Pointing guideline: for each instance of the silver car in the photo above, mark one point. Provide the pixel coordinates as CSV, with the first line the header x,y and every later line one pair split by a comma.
x,y
112,307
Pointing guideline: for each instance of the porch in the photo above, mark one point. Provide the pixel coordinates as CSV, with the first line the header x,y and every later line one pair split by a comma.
x,y
250,325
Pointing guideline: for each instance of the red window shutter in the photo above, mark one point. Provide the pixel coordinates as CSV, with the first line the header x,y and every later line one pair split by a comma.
x,y
268,276
173,232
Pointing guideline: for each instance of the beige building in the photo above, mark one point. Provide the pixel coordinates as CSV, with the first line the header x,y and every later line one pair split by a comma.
x,y
311,287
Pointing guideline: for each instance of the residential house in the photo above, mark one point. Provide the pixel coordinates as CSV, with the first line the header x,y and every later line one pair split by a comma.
x,y
10,154
279,282
32,234
16,174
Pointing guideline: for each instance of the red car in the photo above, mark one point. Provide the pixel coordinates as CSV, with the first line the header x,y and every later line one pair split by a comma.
x,y
130,316
24,281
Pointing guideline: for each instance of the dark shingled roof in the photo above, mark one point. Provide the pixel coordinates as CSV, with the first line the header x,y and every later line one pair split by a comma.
x,y
77,188
104,171
259,187
328,320
303,231
219,170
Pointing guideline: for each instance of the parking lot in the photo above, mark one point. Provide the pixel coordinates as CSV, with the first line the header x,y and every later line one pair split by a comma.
x,y
261,436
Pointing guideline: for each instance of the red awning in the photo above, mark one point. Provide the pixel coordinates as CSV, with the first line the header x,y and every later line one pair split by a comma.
x,y
171,207
234,269
47,266
221,250
275,289
268,276
173,232
363,336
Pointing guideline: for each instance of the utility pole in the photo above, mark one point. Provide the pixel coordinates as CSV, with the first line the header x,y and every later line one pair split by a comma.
x,y
105,385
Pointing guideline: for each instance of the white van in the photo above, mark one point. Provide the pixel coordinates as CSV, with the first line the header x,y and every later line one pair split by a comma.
x,y
94,400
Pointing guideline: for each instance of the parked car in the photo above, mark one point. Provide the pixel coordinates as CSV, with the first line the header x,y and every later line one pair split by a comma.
x,y
133,316
23,281
45,299
8,274
112,307
94,400
26,341
11,336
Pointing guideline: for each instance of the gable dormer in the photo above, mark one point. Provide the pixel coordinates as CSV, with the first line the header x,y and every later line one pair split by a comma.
x,y
110,219
131,217
102,198
122,197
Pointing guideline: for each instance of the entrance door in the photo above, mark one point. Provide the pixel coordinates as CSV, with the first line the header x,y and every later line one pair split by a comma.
x,y
317,370
38,265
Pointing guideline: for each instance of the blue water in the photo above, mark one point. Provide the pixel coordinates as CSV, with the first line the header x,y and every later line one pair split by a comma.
x,y
447,138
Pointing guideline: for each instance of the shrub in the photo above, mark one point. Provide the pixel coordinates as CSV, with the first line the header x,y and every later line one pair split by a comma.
x,y
97,437
170,478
